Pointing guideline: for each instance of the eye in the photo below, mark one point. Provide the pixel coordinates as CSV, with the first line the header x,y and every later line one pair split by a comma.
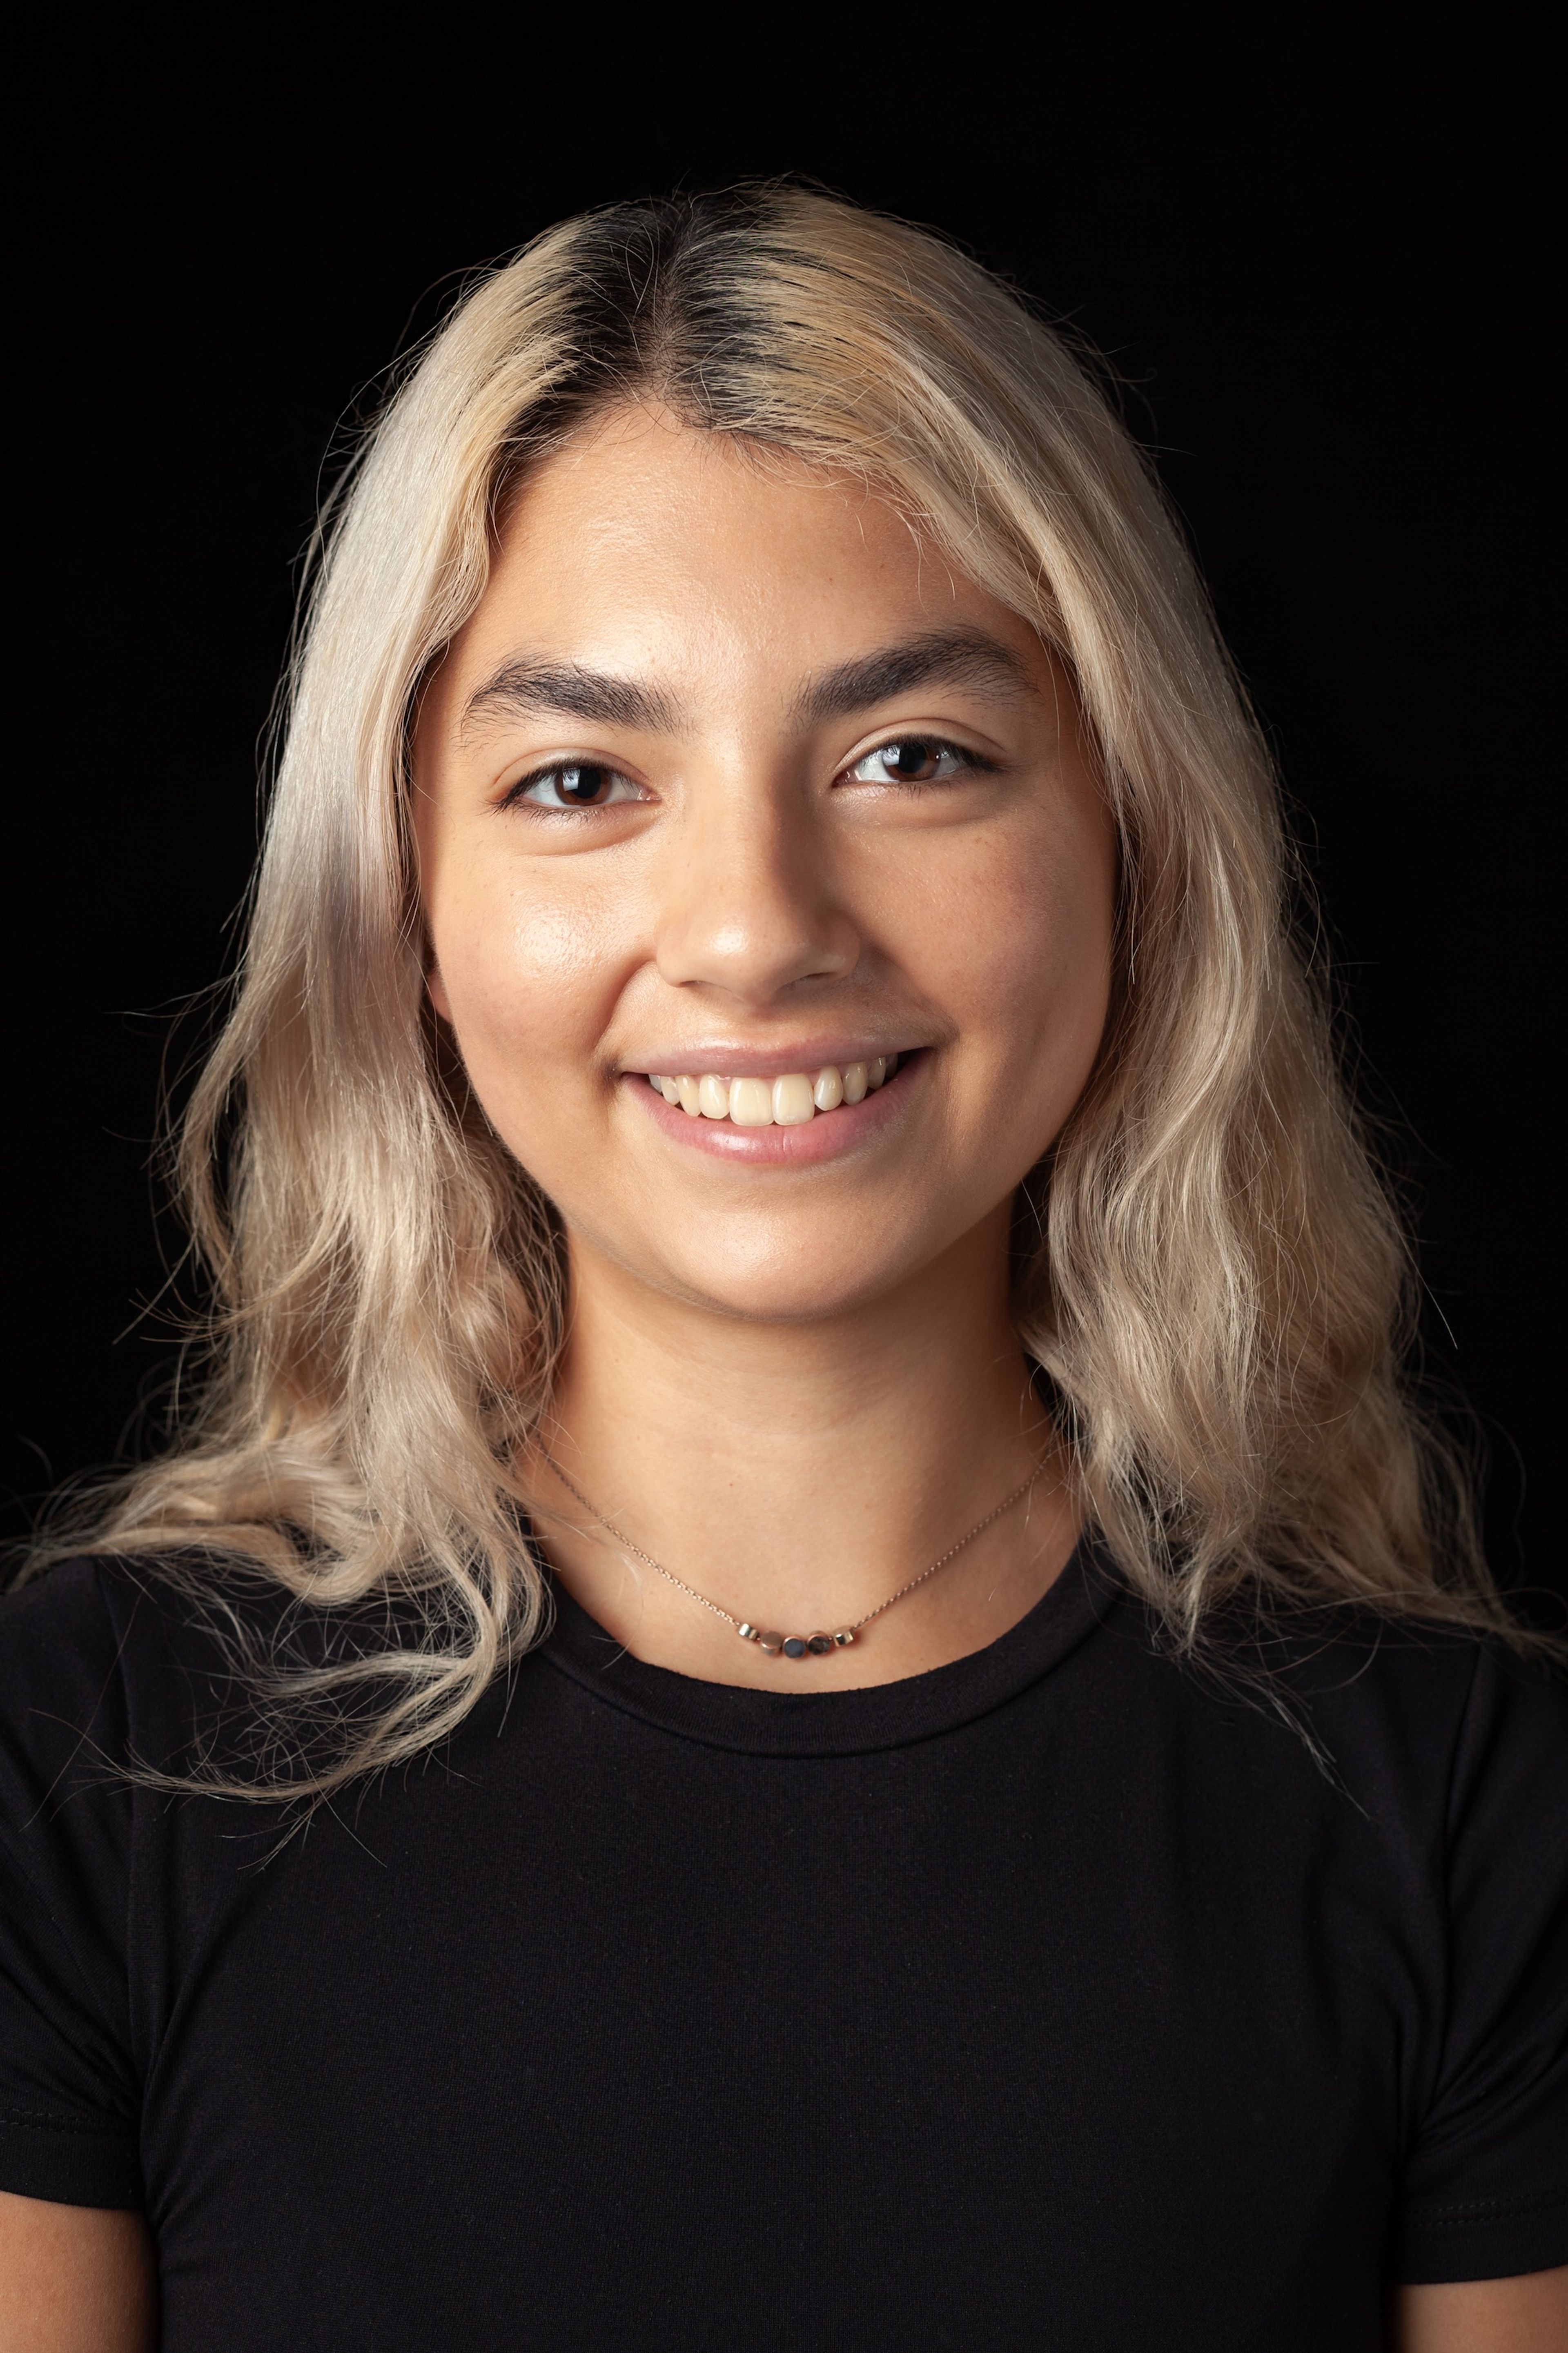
x,y
576,785
914,760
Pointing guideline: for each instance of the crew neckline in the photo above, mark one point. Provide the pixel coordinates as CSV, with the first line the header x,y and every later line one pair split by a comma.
x,y
839,1723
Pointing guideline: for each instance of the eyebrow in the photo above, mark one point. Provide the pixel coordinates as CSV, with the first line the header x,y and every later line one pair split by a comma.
x,y
525,688
961,657
528,688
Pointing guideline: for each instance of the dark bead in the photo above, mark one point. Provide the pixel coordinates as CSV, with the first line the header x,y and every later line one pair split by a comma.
x,y
795,1647
819,1644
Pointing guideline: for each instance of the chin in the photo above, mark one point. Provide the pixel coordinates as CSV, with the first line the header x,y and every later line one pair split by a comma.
x,y
797,1289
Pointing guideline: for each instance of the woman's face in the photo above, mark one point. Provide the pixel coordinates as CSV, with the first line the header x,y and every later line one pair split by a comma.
x,y
730,779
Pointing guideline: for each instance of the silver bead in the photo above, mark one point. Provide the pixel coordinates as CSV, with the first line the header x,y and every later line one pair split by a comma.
x,y
842,1636
747,1633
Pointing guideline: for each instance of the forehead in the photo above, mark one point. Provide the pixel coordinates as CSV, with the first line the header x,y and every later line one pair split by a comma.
x,y
646,546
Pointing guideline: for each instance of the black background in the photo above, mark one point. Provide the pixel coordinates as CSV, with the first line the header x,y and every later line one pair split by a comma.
x,y
1316,263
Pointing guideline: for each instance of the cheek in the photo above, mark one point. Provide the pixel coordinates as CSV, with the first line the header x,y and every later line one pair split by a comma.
x,y
1018,948
528,983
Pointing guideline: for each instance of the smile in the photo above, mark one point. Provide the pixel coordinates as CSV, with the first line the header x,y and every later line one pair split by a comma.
x,y
787,1101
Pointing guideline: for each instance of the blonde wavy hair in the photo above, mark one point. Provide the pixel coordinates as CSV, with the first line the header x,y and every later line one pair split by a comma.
x,y
1209,1271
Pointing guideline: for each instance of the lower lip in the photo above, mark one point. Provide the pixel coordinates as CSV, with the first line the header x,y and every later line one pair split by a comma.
x,y
826,1136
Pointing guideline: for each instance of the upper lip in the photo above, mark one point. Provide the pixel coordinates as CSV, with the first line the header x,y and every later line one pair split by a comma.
x,y
761,1062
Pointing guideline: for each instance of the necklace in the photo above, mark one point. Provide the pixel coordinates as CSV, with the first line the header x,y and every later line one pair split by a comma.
x,y
792,1646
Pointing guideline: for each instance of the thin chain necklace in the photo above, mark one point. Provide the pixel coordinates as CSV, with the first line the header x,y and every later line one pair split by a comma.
x,y
792,1646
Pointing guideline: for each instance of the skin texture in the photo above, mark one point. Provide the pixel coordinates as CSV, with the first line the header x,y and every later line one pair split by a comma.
x,y
794,1384
1527,2315
794,1381
75,2279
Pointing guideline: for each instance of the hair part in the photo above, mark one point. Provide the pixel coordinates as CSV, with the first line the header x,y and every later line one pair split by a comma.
x,y
1209,1270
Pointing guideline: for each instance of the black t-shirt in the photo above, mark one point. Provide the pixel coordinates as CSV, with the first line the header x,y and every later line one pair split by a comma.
x,y
1057,1998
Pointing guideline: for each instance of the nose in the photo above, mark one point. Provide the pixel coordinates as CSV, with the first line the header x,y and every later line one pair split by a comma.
x,y
747,905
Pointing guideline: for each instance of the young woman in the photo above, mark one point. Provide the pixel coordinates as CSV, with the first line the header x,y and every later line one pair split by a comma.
x,y
805,1683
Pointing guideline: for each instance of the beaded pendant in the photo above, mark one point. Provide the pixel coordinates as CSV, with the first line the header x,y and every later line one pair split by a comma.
x,y
797,1646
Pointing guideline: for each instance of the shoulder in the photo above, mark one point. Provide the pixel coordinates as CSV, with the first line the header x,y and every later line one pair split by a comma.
x,y
1412,1688
1337,1713
102,1661
1416,1722
63,1643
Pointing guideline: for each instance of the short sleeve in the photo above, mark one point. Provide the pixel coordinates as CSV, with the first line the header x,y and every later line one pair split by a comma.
x,y
1485,2181
68,2097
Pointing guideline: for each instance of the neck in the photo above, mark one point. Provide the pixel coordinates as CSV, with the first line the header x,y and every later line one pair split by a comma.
x,y
798,1474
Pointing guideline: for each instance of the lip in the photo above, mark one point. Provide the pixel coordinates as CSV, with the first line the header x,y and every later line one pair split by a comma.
x,y
827,1137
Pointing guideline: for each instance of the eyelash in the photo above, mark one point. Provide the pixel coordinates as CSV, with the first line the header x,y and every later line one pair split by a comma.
x,y
929,746
967,762
517,795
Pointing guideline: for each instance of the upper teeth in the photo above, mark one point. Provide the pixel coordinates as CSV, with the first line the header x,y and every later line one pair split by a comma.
x,y
776,1102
